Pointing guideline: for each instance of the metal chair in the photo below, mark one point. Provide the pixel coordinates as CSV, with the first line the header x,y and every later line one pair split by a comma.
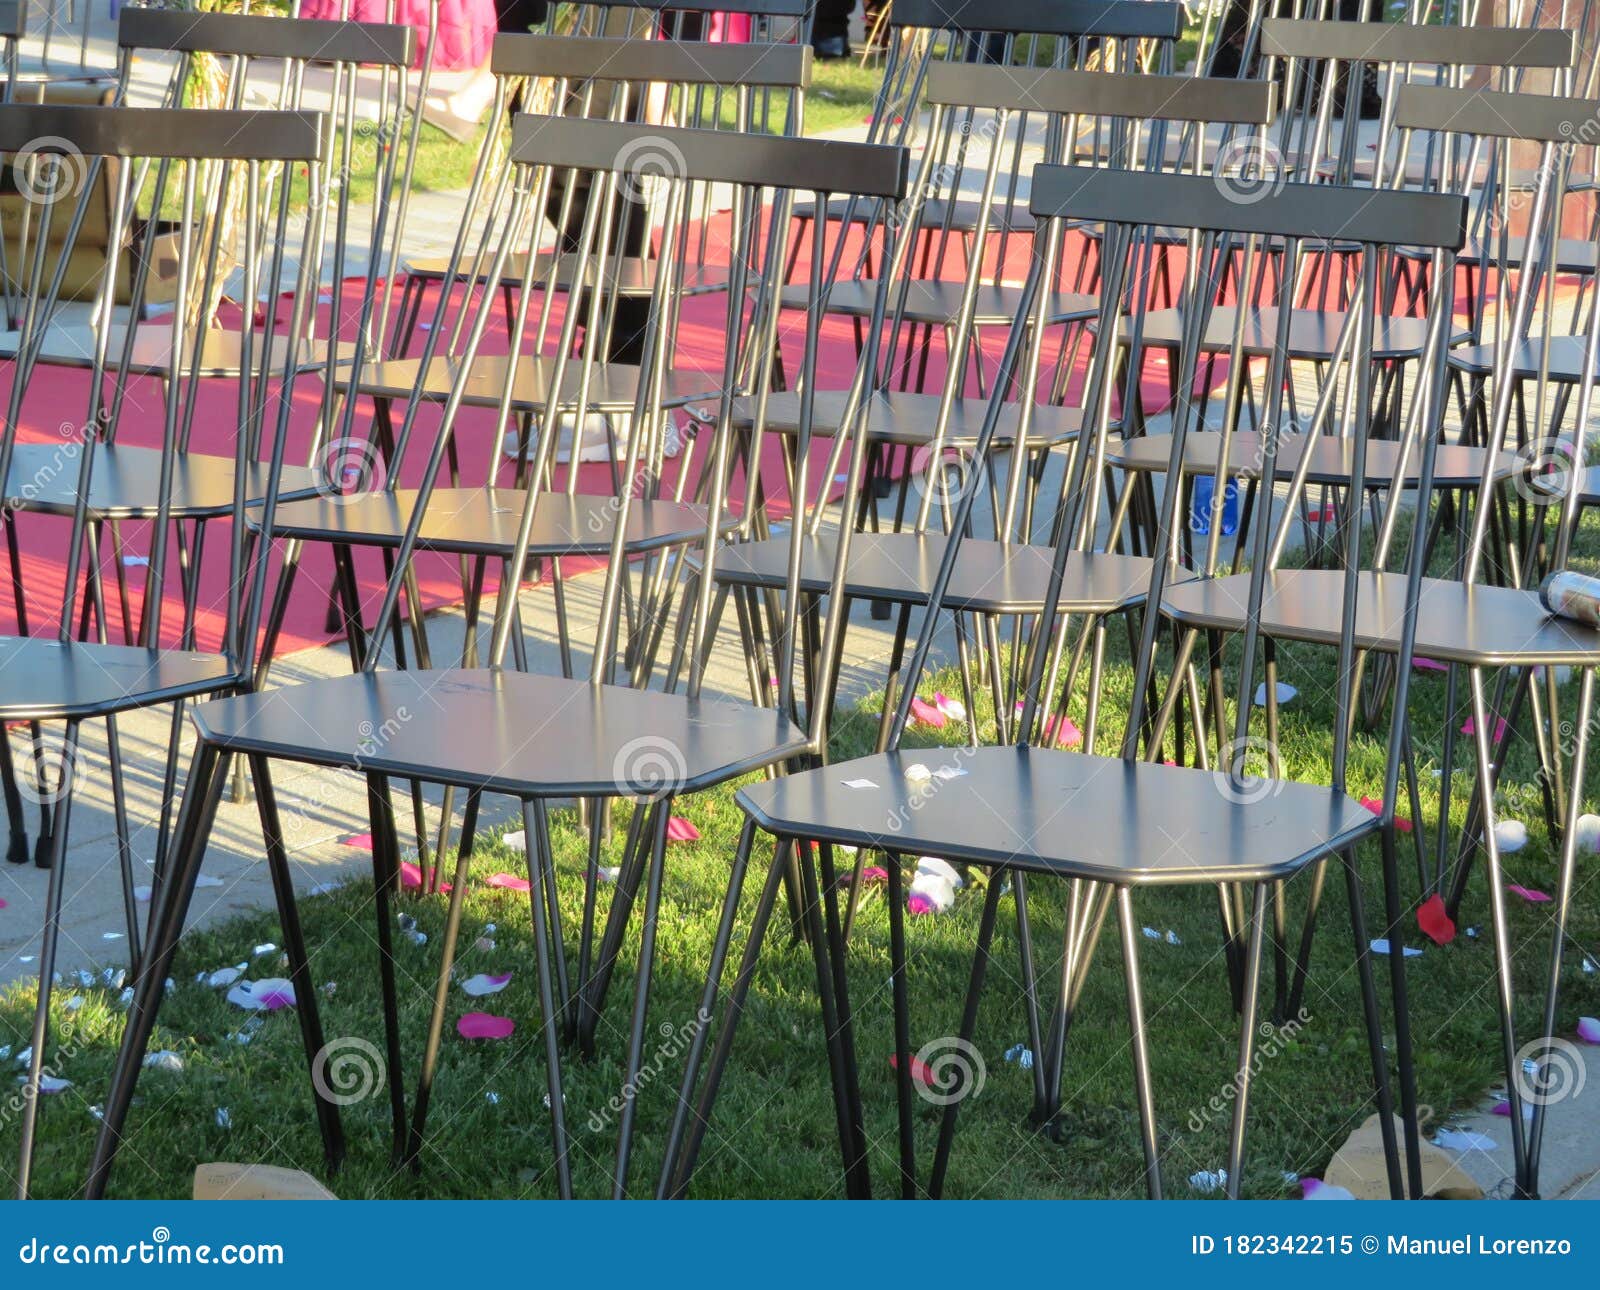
x,y
470,727
1105,825
63,679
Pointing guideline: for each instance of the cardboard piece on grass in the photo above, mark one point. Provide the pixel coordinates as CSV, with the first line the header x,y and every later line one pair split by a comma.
x,y
224,1180
1359,1166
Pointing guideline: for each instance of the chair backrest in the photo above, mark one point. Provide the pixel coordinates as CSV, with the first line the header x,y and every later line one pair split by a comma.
x,y
698,21
614,157
1221,228
202,161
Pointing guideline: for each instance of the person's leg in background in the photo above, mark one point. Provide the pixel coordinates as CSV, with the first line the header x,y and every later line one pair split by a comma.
x,y
830,28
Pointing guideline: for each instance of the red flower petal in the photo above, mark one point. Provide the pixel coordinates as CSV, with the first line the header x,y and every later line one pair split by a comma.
x,y
680,830
921,1073
484,1025
1470,727
509,881
1529,894
1435,923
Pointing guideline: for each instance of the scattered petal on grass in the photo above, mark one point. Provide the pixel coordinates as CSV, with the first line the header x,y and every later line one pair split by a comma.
x,y
224,1120
1316,1189
1150,934
1589,1030
360,841
1510,836
484,1025
1470,727
1588,833
1503,1108
1286,694
931,893
1022,1055
952,708
1380,946
164,1060
1429,664
921,1072
517,841
934,867
486,983
1173,938
1530,894
48,1083
927,714
222,976
1463,1140
681,830
1207,1181
324,888
509,881
1435,920
266,947
263,996
411,877
1375,805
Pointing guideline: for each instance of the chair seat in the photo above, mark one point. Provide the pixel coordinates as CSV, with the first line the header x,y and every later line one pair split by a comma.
x,y
72,345
935,211
1065,813
1313,333
990,577
45,679
907,419
1573,255
633,276
938,302
612,386
1566,359
1331,459
1478,625
483,521
506,732
126,482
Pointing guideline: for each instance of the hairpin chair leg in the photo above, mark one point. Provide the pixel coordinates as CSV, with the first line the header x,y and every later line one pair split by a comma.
x,y
1247,1040
1394,931
641,996
1030,977
547,856
689,1125
294,944
550,1023
1086,914
119,813
969,1023
902,1031
16,821
1143,1088
1569,856
47,963
386,885
593,988
208,776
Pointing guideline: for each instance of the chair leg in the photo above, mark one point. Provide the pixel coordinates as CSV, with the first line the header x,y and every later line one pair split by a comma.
x,y
47,963
119,814
593,990
1247,1040
1374,1022
294,945
203,794
386,883
441,992
902,1030
17,847
550,1021
1143,1087
641,997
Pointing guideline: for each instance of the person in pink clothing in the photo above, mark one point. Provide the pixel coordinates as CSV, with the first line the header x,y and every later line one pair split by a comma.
x,y
466,27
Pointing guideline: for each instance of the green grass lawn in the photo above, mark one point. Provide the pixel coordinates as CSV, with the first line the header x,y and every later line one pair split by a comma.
x,y
773,1131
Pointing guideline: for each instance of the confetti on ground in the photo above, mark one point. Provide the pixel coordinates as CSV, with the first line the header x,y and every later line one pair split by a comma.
x,y
1530,894
164,1060
1022,1055
267,995
1286,693
1208,1181
1503,1108
1381,946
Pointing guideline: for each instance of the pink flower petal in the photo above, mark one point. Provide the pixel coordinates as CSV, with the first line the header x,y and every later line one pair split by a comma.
x,y
920,904
484,1025
952,708
411,877
1589,1030
359,841
1470,727
1375,805
1316,1189
2,904
874,873
263,996
921,1072
1529,894
486,983
1429,664
680,830
1062,734
509,881
926,714
1503,1108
